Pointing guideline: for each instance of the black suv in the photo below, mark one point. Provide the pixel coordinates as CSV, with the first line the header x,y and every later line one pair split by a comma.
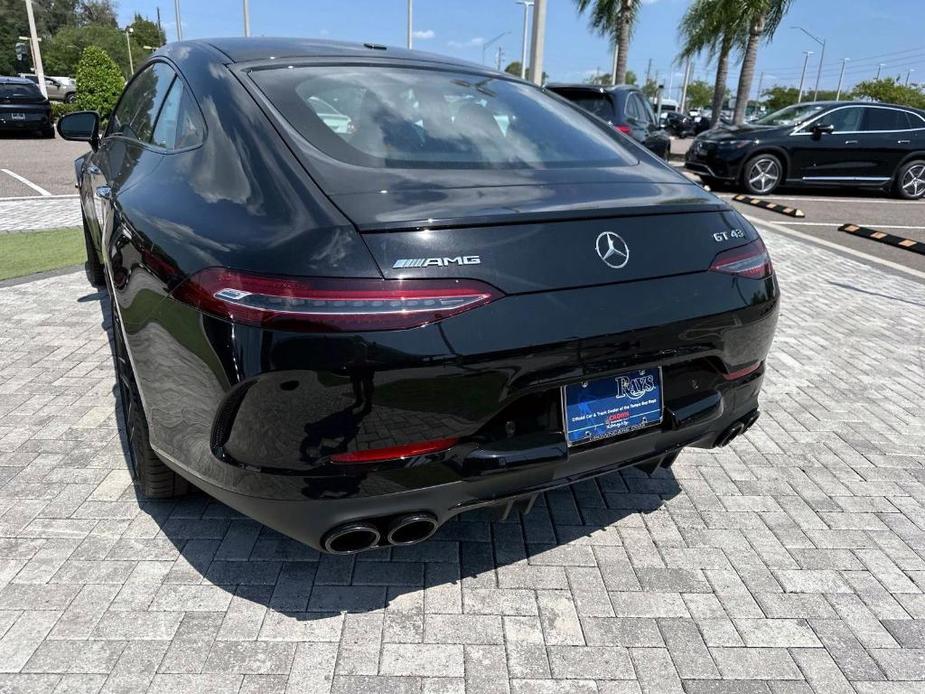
x,y
625,107
830,143
22,107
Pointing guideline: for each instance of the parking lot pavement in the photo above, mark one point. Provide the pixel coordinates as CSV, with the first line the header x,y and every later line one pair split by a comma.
x,y
24,214
46,164
791,561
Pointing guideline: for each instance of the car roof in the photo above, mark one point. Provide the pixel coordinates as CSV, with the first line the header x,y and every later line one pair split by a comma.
x,y
15,80
240,50
593,87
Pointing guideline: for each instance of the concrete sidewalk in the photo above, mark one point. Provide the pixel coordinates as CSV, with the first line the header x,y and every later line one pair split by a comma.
x,y
791,561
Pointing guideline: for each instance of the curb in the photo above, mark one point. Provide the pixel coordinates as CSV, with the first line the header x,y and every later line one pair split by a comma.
x,y
883,237
765,205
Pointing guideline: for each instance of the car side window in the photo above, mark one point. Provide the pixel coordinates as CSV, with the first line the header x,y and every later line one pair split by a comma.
x,y
647,110
842,119
179,124
134,117
885,119
632,108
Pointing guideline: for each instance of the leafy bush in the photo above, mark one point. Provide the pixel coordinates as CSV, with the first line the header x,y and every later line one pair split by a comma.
x,y
99,82
59,109
890,91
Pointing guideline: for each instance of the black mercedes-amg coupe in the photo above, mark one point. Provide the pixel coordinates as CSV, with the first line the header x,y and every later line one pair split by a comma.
x,y
358,290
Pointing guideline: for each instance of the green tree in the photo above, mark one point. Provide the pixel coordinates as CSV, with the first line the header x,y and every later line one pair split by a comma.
x,y
62,51
889,90
97,12
13,23
99,81
613,19
606,79
699,94
714,28
55,14
777,97
762,17
146,33
513,68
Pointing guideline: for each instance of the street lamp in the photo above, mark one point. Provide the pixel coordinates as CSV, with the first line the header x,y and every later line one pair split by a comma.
x,y
491,41
909,74
247,18
841,76
879,68
821,42
128,44
806,55
523,49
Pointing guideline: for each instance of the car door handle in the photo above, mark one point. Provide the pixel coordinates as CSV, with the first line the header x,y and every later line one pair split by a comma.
x,y
903,142
93,170
104,192
851,142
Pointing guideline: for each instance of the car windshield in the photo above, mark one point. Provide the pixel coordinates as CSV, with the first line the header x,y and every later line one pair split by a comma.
x,y
20,92
391,117
791,115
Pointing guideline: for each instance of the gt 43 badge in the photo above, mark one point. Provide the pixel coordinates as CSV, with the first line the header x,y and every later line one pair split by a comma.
x,y
721,236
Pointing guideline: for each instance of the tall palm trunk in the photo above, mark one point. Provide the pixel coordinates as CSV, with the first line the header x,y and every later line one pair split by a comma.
x,y
623,41
722,73
748,69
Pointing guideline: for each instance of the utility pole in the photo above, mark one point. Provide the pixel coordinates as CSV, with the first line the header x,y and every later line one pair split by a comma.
x,y
687,76
523,48
841,76
410,24
879,68
648,72
909,74
538,41
500,55
176,11
758,93
821,42
36,51
247,18
128,45
613,67
160,29
806,55
490,42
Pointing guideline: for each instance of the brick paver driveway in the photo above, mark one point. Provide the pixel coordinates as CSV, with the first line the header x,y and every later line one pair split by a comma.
x,y
792,561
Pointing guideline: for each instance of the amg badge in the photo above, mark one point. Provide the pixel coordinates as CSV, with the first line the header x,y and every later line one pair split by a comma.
x,y
438,262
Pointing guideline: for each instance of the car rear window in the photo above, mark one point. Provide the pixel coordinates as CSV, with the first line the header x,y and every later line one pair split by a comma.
x,y
886,119
598,104
397,117
20,92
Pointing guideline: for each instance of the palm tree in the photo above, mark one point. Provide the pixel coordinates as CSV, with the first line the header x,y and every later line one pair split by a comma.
x,y
714,27
615,19
762,18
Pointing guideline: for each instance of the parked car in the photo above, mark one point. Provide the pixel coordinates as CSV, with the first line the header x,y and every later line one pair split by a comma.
x,y
58,88
22,107
625,107
353,334
858,144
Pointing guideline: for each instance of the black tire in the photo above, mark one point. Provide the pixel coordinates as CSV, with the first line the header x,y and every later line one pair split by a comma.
x,y
96,276
70,98
152,477
762,174
909,183
49,133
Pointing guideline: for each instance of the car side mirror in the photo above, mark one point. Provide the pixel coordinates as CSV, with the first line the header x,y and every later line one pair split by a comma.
x,y
81,126
820,130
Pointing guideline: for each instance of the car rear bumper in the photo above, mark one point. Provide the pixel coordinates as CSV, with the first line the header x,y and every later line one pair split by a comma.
x,y
713,164
252,416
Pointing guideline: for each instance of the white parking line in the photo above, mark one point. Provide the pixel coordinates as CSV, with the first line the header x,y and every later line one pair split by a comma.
x,y
837,224
37,189
774,226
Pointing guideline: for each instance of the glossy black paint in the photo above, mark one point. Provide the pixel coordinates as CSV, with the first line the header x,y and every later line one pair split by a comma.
x,y
862,158
645,130
33,114
253,415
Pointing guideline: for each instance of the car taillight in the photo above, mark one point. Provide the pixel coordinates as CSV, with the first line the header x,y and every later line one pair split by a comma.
x,y
623,128
375,455
330,305
751,261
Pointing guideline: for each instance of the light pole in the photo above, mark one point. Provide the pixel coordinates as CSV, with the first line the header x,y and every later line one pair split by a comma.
x,y
490,42
879,68
500,56
821,42
806,55
176,11
410,24
36,51
523,48
247,18
128,44
841,76
909,74
538,41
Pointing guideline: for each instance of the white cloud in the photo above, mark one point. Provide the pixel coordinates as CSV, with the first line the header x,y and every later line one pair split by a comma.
x,y
473,42
425,34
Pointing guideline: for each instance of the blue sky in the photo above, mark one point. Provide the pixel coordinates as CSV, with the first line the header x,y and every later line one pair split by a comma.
x,y
866,31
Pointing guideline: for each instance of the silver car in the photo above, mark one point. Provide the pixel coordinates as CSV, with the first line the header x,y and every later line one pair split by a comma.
x,y
58,88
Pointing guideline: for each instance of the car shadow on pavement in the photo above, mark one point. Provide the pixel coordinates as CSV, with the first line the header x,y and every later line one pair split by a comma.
x,y
568,527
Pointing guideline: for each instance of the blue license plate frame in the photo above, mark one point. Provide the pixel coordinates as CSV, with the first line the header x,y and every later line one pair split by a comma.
x,y
604,408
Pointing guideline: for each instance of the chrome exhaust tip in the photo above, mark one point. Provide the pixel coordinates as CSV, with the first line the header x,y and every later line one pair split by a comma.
x,y
351,538
727,436
415,527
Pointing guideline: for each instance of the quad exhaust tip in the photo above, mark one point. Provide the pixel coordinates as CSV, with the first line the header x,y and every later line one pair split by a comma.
x,y
351,538
415,527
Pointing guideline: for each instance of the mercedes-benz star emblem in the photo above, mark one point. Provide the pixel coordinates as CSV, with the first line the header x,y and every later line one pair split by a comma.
x,y
612,249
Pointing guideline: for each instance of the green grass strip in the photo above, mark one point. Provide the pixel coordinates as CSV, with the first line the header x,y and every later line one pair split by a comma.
x,y
29,252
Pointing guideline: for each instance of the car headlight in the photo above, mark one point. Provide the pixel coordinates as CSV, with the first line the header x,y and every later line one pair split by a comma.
x,y
734,144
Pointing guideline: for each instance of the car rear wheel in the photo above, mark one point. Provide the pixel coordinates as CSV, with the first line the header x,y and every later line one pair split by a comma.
x,y
70,98
152,477
910,180
93,267
762,174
